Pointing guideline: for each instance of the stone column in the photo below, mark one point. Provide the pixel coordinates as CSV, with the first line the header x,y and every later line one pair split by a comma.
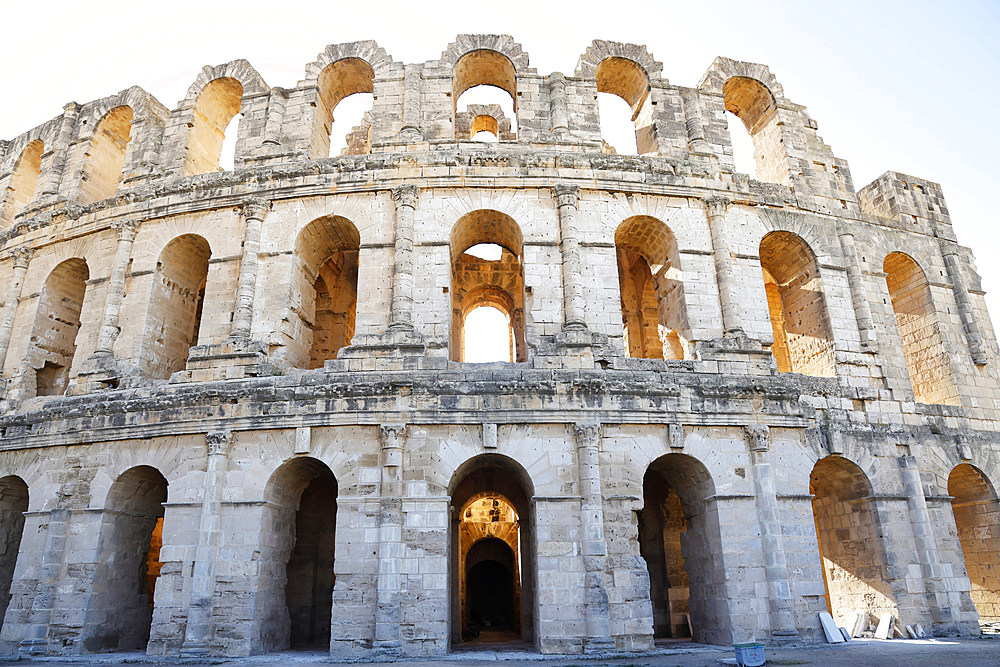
x,y
60,151
859,295
116,287
40,615
969,322
405,197
411,104
567,197
254,211
715,208
595,551
198,632
21,256
390,541
923,537
275,116
695,130
779,593
558,108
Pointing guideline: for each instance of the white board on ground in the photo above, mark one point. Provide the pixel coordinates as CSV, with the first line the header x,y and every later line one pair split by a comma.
x,y
847,635
830,628
860,624
920,631
886,627
851,622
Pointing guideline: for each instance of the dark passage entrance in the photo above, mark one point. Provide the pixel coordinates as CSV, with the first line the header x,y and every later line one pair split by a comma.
x,y
310,568
489,584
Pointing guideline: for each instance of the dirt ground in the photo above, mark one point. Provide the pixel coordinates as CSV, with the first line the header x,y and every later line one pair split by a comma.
x,y
983,652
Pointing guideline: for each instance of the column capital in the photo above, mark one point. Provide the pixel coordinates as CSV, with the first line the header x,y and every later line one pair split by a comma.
x,y
588,434
391,434
406,195
566,195
717,205
254,208
126,228
758,437
219,441
20,255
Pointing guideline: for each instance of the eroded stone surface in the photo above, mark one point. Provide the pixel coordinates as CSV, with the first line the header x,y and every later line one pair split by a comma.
x,y
236,419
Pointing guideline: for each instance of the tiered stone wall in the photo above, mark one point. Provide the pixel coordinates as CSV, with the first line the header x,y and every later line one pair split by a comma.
x,y
269,359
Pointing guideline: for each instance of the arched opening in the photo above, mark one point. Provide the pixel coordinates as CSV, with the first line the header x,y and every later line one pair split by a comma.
x,y
121,606
926,357
217,104
105,157
849,537
977,517
13,505
627,80
485,127
294,595
57,323
680,540
487,270
654,313
175,305
751,101
23,179
492,585
803,336
480,78
326,278
351,81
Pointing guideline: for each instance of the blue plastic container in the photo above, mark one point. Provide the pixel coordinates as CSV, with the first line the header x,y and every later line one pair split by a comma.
x,y
749,655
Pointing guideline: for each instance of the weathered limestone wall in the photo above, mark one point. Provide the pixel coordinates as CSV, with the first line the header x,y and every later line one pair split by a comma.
x,y
733,403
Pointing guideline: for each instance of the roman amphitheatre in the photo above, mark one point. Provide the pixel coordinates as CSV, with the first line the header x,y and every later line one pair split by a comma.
x,y
237,416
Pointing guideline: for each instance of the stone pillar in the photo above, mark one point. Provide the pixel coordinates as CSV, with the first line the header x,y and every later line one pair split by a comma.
x,y
715,208
275,116
199,629
116,287
40,615
61,150
254,211
21,256
595,551
411,104
859,295
923,537
567,197
558,108
390,541
405,197
695,130
969,322
779,593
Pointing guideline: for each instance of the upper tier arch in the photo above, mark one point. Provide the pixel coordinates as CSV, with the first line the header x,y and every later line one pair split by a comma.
x,y
367,50
600,50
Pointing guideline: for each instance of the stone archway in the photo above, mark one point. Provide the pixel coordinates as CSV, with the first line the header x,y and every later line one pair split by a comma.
x,y
294,598
977,519
491,571
680,541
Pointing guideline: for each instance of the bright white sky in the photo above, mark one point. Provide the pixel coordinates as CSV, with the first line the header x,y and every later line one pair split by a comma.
x,y
907,86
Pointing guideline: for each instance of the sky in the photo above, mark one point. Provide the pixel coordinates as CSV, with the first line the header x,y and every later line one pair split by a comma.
x,y
902,86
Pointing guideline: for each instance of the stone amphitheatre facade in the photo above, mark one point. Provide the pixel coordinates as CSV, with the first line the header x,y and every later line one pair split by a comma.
x,y
236,416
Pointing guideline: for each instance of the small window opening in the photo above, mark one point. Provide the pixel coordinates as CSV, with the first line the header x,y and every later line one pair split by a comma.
x,y
351,124
617,129
743,156
488,336
227,156
478,97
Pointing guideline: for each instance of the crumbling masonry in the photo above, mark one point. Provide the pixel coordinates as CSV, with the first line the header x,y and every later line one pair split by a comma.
x,y
236,415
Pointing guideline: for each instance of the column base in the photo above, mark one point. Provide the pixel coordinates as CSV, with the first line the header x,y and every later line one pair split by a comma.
x,y
233,359
597,645
33,647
